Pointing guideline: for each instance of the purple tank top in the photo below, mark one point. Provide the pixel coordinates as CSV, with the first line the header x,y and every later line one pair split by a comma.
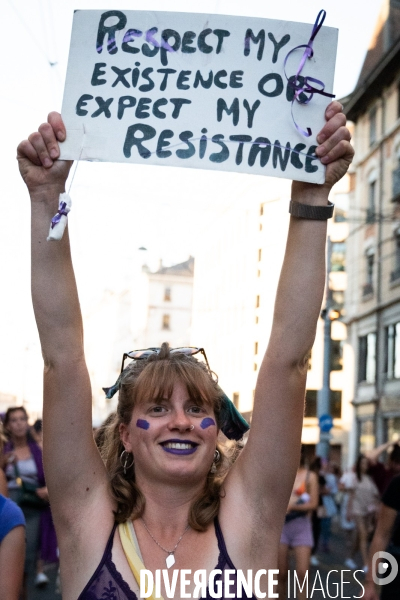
x,y
106,582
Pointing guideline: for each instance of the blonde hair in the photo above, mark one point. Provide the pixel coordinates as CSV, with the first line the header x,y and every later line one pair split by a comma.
x,y
144,380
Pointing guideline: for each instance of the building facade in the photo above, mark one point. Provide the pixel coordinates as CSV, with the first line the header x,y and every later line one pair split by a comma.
x,y
373,246
169,306
236,278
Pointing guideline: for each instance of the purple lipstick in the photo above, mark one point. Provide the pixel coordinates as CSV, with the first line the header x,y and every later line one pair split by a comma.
x,y
179,447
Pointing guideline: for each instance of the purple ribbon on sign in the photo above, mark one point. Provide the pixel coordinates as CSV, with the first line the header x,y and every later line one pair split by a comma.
x,y
302,89
62,210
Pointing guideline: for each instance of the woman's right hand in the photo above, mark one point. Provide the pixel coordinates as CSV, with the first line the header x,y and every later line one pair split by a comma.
x,y
37,157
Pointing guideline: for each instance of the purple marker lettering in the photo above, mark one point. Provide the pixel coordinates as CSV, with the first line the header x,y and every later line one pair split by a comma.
x,y
142,423
207,422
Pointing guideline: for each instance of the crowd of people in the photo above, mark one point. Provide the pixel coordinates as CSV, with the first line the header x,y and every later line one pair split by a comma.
x,y
362,501
321,494
25,503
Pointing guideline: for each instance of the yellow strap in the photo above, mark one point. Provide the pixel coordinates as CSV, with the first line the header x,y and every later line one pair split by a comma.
x,y
132,557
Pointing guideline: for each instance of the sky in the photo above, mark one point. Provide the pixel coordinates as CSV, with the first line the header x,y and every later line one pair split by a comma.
x,y
110,223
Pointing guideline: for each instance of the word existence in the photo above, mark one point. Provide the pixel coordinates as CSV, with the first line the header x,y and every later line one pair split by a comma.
x,y
236,584
185,90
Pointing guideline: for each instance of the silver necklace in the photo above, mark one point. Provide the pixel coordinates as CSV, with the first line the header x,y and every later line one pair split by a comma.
x,y
170,560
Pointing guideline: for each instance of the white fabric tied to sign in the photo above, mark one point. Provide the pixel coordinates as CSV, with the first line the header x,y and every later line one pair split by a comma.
x,y
59,221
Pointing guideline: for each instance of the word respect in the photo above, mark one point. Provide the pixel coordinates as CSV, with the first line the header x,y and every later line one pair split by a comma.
x,y
208,40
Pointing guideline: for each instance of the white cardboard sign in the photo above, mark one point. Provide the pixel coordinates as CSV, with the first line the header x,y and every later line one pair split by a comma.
x,y
194,90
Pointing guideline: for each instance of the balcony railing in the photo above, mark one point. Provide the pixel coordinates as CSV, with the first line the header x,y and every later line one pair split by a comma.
x,y
396,185
367,289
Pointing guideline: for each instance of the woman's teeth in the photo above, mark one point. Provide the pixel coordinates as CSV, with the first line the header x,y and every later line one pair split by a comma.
x,y
178,446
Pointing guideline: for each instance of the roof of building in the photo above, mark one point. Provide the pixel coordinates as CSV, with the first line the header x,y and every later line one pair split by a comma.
x,y
184,269
381,61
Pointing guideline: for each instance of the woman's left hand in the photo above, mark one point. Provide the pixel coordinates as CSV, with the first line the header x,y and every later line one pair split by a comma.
x,y
334,150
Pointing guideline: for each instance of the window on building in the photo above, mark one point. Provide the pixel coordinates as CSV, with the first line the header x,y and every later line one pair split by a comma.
x,y
261,210
372,126
340,215
235,399
370,268
257,301
393,429
384,114
256,319
259,273
338,300
312,400
255,367
369,272
396,180
397,249
336,404
398,100
395,274
166,321
367,358
336,355
392,351
371,202
367,435
255,347
311,404
259,254
167,294
338,256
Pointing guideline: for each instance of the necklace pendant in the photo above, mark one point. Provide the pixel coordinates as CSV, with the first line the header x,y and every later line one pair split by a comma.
x,y
170,560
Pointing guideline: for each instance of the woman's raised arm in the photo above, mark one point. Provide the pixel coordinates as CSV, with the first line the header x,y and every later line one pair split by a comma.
x,y
74,470
265,471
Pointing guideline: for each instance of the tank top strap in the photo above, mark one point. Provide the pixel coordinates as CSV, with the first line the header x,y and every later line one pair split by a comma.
x,y
221,545
108,549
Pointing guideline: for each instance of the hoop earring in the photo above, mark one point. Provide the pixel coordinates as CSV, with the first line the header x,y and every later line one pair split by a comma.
x,y
217,458
124,461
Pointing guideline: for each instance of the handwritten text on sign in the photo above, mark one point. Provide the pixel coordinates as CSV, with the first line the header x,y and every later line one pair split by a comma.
x,y
195,90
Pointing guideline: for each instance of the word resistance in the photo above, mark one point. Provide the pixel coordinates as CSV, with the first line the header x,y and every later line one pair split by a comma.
x,y
260,148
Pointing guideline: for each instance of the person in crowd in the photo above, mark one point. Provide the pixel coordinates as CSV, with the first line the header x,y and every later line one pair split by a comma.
x,y
346,485
12,542
24,469
297,529
164,494
381,473
329,509
386,538
3,479
362,508
337,473
37,432
316,515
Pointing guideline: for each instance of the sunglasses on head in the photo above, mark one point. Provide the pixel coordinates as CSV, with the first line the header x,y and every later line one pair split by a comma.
x,y
144,354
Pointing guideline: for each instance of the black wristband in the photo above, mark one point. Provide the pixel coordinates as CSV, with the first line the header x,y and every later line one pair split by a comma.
x,y
308,211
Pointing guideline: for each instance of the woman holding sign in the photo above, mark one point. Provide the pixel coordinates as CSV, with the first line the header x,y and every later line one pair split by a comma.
x,y
163,475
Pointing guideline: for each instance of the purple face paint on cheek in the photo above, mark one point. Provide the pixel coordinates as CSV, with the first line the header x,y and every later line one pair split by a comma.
x,y
207,422
142,423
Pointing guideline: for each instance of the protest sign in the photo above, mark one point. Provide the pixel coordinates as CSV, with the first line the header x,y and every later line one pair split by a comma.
x,y
196,90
